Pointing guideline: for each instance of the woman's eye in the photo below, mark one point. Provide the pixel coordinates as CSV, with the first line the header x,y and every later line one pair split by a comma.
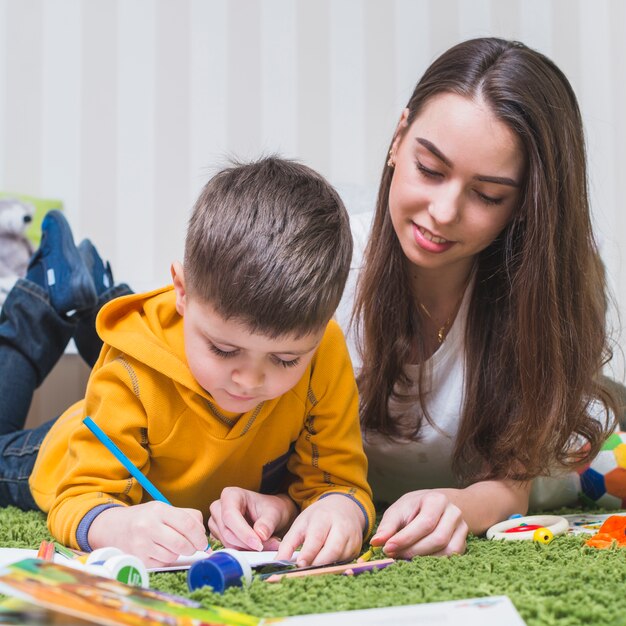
x,y
427,172
488,199
284,363
222,353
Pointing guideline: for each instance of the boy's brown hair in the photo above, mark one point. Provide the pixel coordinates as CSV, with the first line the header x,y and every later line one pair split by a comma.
x,y
269,244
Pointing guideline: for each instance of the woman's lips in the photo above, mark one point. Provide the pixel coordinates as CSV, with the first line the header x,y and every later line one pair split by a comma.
x,y
430,242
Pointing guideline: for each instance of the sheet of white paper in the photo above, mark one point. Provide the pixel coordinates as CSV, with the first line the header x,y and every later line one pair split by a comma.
x,y
493,611
255,559
13,555
588,523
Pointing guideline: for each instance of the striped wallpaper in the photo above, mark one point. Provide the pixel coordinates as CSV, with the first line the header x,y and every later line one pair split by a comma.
x,y
122,108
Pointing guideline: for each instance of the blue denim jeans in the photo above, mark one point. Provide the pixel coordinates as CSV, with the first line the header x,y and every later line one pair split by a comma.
x,y
18,453
32,339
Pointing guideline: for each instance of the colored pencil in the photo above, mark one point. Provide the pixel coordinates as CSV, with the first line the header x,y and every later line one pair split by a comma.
x,y
124,460
346,569
64,551
46,550
367,556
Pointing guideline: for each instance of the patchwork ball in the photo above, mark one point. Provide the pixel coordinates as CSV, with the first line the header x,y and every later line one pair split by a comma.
x,y
603,481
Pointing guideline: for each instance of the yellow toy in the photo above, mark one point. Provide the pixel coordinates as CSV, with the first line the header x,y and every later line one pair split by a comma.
x,y
539,528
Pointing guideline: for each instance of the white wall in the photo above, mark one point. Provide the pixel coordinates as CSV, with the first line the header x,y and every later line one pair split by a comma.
x,y
121,108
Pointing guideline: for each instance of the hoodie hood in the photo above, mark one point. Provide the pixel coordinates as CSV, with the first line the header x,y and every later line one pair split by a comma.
x,y
148,328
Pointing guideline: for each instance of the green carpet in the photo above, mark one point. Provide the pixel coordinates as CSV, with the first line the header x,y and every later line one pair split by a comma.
x,y
562,583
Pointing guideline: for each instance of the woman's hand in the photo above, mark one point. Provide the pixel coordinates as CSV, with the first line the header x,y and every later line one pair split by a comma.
x,y
246,520
437,521
422,523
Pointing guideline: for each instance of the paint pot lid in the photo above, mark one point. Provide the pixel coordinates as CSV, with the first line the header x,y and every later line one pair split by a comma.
x,y
220,570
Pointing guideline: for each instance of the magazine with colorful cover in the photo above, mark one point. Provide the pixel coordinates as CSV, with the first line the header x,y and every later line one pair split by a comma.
x,y
101,600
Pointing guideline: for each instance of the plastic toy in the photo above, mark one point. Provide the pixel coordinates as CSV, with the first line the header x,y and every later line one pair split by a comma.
x,y
539,528
612,532
543,535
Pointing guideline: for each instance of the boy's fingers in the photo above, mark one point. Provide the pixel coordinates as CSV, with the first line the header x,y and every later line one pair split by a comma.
x,y
187,523
313,542
335,547
197,515
289,544
165,543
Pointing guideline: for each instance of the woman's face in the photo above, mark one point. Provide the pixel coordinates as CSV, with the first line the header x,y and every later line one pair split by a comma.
x,y
456,182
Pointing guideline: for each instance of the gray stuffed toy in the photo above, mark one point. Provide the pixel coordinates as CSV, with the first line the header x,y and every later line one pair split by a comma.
x,y
15,248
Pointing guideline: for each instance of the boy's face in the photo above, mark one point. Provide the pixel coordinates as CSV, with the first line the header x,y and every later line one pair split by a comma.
x,y
238,368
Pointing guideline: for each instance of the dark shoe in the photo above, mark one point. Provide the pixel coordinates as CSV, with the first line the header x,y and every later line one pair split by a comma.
x,y
100,271
59,268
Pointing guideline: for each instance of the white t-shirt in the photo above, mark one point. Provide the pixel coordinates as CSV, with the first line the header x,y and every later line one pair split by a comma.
x,y
396,468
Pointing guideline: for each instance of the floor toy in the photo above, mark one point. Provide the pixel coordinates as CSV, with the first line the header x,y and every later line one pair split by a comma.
x,y
539,528
612,532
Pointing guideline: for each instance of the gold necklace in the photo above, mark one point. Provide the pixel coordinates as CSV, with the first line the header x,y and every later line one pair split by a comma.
x,y
442,332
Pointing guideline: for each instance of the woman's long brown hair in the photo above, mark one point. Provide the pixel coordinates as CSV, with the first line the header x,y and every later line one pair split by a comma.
x,y
536,335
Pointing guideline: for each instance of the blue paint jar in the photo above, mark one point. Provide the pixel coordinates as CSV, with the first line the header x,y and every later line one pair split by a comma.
x,y
221,569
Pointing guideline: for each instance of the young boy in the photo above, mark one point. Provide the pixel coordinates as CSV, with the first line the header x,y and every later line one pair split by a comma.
x,y
234,383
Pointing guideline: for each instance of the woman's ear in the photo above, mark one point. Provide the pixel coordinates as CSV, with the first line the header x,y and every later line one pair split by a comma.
x,y
178,278
403,124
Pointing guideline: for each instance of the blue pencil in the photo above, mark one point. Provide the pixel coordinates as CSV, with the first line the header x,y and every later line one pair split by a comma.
x,y
124,460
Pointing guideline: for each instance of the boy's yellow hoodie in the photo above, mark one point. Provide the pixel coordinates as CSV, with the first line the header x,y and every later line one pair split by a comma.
x,y
142,394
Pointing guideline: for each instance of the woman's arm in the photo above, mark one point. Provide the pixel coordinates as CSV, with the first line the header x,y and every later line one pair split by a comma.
x,y
486,503
437,521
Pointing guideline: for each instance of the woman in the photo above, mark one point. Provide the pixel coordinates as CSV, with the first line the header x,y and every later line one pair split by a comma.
x,y
480,305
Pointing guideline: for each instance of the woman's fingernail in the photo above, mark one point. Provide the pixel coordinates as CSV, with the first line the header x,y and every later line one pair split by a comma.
x,y
256,544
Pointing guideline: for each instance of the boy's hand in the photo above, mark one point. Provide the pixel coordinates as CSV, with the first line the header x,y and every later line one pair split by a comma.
x,y
329,530
247,520
419,523
155,532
